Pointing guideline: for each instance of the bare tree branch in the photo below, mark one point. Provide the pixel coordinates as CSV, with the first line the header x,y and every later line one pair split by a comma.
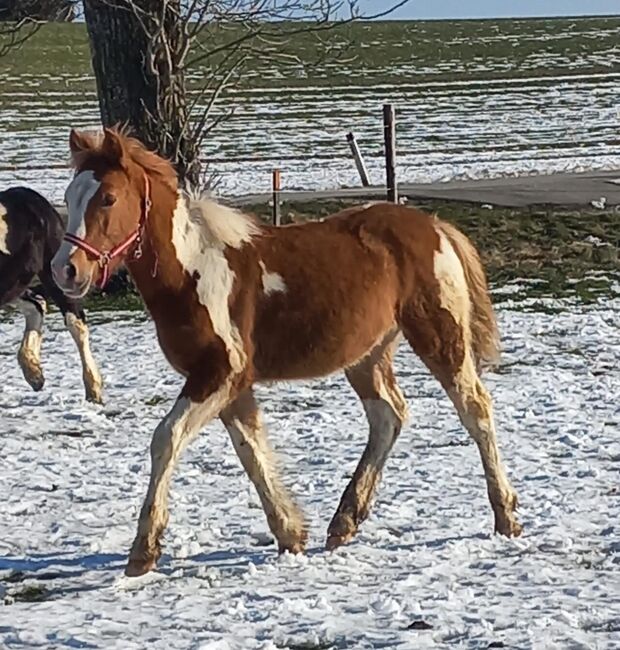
x,y
14,35
174,37
21,20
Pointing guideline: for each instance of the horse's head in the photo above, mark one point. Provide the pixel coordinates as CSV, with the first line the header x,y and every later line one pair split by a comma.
x,y
108,202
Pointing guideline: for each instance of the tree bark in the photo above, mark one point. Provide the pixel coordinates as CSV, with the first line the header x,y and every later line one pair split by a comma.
x,y
138,64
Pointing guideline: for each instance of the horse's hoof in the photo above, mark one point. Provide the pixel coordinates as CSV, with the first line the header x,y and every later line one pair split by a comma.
x,y
95,397
139,567
510,528
37,383
342,530
94,389
35,378
294,548
334,541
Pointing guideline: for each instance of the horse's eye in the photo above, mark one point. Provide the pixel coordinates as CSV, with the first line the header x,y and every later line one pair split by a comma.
x,y
108,200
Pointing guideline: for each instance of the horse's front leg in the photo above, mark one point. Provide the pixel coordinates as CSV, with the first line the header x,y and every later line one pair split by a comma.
x,y
29,354
188,415
75,322
243,420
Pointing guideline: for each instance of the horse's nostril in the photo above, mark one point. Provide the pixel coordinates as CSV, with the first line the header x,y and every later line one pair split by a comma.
x,y
71,271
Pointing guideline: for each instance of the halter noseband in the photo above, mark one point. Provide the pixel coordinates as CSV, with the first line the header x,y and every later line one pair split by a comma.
x,y
104,258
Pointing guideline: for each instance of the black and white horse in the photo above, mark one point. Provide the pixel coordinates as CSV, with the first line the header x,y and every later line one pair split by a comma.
x,y
31,232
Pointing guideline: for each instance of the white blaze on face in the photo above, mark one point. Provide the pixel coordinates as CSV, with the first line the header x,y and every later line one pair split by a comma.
x,y
4,231
201,255
272,282
78,195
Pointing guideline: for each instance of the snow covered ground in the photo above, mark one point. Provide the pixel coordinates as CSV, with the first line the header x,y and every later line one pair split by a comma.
x,y
73,476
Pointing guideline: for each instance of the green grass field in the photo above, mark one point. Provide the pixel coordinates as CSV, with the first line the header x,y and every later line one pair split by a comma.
x,y
362,53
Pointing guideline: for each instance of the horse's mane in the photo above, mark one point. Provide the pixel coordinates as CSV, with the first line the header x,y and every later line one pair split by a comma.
x,y
92,149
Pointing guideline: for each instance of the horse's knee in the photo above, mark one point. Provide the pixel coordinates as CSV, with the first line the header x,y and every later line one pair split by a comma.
x,y
472,400
385,419
161,440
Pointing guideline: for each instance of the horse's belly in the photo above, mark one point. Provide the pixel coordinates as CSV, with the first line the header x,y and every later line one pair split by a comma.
x,y
302,348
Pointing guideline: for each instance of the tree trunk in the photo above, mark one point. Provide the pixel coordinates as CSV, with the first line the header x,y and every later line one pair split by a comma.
x,y
138,66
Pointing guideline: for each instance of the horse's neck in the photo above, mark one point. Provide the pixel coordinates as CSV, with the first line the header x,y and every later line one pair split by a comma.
x,y
177,246
157,269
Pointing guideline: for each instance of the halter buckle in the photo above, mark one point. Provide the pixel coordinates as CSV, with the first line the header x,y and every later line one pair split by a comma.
x,y
104,259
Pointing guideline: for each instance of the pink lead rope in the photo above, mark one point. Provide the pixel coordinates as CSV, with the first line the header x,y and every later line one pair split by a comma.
x,y
103,258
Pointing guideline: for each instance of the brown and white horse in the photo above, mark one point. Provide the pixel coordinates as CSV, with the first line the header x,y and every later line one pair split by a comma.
x,y
236,302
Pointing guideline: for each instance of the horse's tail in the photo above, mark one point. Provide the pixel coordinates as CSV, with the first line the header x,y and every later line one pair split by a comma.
x,y
484,332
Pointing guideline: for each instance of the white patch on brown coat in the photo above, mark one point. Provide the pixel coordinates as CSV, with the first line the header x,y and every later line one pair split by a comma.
x,y
272,282
201,231
4,231
454,294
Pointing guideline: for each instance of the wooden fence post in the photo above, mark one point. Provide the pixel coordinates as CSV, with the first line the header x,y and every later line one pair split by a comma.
x,y
359,161
389,133
275,184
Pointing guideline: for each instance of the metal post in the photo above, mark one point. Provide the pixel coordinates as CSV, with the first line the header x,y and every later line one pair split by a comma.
x,y
359,161
389,131
275,183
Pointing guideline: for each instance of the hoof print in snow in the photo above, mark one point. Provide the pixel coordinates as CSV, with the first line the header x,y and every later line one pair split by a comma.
x,y
30,594
262,539
420,625
15,576
72,433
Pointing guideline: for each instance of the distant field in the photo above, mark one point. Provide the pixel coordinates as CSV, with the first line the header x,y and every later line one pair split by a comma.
x,y
474,98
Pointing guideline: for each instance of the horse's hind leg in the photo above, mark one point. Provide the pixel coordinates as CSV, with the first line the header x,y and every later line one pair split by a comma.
x,y
243,420
443,345
29,354
475,409
373,380
75,322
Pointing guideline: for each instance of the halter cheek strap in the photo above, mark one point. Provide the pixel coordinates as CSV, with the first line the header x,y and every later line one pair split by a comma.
x,y
104,258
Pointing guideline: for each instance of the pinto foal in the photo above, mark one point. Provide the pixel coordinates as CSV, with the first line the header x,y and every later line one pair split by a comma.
x,y
236,303
30,233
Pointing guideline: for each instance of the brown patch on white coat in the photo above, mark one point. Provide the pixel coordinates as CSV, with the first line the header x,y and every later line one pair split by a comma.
x,y
347,287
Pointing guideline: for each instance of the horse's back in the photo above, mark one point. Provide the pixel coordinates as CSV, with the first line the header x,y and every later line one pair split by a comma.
x,y
364,248
341,285
30,216
31,231
29,208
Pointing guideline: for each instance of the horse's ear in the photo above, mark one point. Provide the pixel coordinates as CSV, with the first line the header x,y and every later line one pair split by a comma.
x,y
79,142
112,147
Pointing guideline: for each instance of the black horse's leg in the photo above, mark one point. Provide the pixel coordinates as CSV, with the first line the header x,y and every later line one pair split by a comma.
x,y
33,307
75,321
17,269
